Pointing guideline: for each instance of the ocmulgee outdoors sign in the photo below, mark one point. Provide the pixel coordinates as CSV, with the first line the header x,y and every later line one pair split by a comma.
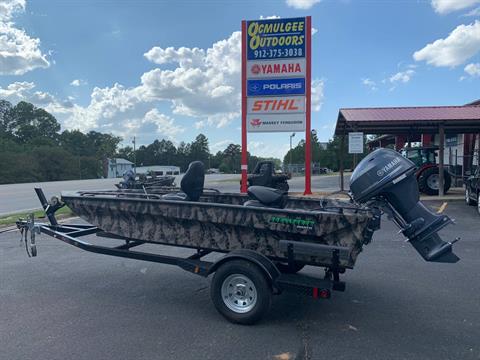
x,y
276,72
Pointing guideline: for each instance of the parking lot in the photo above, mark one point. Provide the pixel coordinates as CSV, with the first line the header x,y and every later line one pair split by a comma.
x,y
70,304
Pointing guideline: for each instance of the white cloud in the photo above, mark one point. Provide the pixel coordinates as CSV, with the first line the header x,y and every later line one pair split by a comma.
x,y
402,76
446,6
221,145
301,4
204,83
16,91
473,69
474,12
317,94
267,149
78,82
269,17
9,7
200,124
19,53
372,85
165,125
186,57
314,30
459,46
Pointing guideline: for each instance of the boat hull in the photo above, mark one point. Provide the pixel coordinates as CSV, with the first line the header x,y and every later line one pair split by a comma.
x,y
226,226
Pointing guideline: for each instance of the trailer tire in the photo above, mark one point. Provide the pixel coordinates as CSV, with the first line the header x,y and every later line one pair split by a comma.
x,y
241,292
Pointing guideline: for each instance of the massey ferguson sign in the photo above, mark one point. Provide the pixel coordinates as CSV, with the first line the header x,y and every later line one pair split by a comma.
x,y
275,123
274,72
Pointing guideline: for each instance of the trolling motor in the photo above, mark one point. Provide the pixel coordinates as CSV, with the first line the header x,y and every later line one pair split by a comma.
x,y
387,179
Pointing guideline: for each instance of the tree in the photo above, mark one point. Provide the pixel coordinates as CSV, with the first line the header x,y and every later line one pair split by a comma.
x,y
199,149
76,143
104,145
29,123
126,153
5,115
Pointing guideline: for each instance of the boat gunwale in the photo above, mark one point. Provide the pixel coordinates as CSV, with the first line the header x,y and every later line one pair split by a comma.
x,y
350,212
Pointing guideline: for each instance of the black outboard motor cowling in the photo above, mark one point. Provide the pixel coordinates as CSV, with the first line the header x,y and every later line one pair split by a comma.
x,y
389,177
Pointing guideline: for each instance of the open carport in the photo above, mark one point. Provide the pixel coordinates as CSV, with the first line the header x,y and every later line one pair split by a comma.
x,y
408,123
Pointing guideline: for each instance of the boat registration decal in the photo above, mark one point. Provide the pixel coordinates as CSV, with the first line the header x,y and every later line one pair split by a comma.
x,y
299,223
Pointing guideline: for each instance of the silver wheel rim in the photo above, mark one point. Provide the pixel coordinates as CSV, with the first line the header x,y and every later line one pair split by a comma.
x,y
239,293
432,181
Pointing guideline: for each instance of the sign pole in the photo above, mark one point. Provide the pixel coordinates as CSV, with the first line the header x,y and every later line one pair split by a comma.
x,y
244,166
308,93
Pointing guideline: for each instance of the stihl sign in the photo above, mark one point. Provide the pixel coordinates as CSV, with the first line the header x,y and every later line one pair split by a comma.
x,y
276,68
274,105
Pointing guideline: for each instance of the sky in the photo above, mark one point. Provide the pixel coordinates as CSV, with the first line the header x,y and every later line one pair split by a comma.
x,y
171,69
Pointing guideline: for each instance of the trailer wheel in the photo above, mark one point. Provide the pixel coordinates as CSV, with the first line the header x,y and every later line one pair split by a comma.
x,y
240,291
285,269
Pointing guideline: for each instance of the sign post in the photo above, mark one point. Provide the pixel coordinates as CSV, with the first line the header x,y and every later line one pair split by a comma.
x,y
276,82
244,164
308,129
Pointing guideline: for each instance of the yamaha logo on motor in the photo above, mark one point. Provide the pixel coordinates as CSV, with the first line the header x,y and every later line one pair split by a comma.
x,y
388,167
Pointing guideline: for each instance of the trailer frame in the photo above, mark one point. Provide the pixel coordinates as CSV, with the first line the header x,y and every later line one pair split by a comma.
x,y
72,234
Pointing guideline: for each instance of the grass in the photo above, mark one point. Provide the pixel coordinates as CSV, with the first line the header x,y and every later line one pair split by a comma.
x,y
9,220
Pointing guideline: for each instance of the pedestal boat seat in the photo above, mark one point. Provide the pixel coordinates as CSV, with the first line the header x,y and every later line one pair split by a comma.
x,y
191,184
266,197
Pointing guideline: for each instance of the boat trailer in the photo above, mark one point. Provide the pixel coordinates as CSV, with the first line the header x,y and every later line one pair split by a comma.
x,y
289,281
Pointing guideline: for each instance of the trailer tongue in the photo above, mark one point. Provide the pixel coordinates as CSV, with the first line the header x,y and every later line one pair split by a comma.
x,y
267,237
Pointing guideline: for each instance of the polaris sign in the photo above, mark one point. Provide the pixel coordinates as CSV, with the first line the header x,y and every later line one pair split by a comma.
x,y
295,86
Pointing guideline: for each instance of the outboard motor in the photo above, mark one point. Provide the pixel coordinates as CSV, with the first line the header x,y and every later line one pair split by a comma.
x,y
388,178
128,180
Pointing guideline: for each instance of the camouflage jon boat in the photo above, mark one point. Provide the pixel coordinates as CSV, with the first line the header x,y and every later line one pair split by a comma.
x,y
222,222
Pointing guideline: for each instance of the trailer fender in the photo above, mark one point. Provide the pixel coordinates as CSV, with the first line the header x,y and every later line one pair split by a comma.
x,y
264,263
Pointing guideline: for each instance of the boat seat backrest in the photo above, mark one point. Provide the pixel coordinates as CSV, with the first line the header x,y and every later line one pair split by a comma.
x,y
267,196
191,184
193,181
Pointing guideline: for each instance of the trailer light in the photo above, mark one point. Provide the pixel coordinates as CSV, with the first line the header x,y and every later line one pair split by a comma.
x,y
325,294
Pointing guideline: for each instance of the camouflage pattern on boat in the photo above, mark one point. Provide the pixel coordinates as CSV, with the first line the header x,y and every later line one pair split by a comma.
x,y
220,222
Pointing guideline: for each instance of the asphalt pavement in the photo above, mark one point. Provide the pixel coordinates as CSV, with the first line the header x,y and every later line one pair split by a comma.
x,y
70,304
21,197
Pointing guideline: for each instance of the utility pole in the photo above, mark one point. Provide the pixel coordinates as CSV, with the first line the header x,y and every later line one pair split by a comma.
x,y
134,156
290,167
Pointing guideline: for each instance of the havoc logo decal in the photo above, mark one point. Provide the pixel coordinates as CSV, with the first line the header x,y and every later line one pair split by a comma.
x,y
388,167
299,223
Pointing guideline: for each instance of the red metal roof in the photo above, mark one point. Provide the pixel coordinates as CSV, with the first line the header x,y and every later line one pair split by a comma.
x,y
430,113
410,120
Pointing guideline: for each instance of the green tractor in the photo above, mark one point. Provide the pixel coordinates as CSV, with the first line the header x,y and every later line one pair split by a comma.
x,y
427,169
